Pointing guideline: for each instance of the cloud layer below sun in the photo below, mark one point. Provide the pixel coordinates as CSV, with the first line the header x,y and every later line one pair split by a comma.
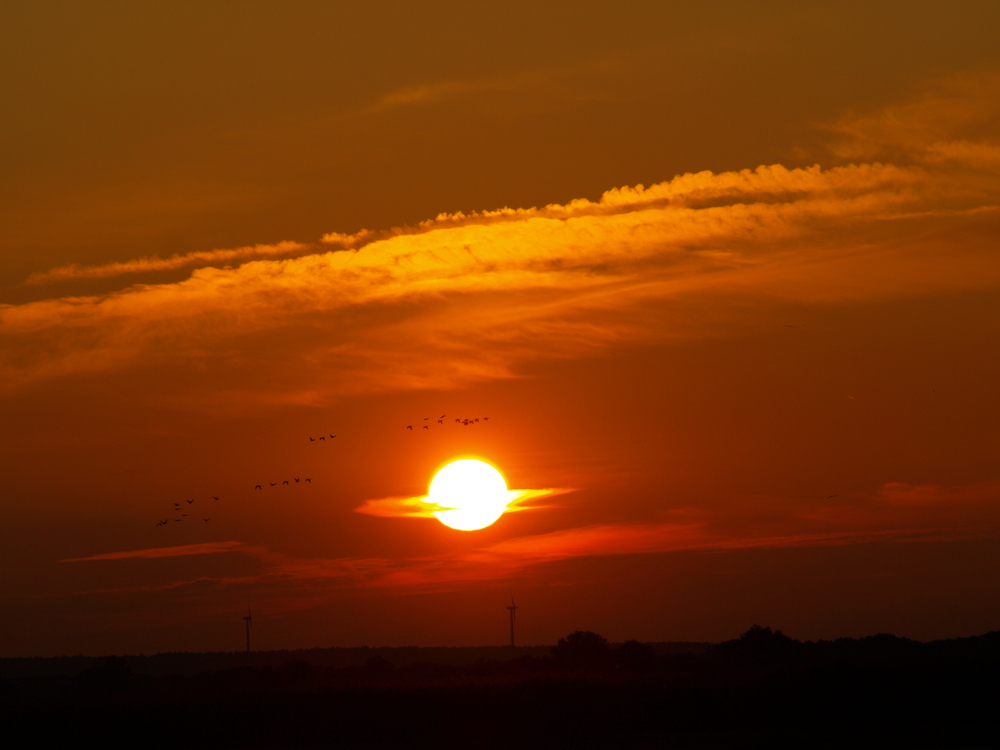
x,y
895,513
463,298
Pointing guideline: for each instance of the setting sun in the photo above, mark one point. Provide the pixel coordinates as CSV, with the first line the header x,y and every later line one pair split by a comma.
x,y
471,493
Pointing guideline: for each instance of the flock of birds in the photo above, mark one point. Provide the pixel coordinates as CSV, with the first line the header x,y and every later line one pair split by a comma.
x,y
178,507
440,420
283,482
182,516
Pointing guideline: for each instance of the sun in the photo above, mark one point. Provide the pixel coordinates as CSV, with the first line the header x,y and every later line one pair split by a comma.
x,y
470,493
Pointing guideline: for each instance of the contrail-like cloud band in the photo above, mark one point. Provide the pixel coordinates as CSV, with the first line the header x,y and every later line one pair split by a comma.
x,y
209,548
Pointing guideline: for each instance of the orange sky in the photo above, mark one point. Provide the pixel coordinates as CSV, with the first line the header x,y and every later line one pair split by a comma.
x,y
726,278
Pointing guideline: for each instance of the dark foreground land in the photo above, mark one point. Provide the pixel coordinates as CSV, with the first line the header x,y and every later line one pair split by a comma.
x,y
762,690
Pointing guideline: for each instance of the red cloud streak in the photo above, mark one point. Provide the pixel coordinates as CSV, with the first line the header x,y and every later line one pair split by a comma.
x,y
209,548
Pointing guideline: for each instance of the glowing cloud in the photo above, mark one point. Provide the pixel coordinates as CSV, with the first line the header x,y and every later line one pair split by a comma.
x,y
426,506
472,297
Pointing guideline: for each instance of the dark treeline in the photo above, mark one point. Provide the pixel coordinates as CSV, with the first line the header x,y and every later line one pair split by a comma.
x,y
760,690
193,663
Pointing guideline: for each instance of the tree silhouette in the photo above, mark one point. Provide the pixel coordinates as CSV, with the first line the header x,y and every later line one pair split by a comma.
x,y
113,673
760,644
635,657
582,649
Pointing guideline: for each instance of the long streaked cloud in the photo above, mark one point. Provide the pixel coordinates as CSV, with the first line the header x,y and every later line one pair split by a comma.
x,y
208,548
470,297
519,556
426,507
173,263
567,81
895,512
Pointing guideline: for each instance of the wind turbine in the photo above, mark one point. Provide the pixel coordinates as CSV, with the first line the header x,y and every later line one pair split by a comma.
x,y
513,612
248,619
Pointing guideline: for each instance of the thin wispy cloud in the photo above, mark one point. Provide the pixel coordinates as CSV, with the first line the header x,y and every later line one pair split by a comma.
x,y
572,81
425,507
208,548
515,557
173,263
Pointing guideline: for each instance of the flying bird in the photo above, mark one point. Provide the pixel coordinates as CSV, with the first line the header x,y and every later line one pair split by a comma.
x,y
285,482
486,419
178,520
458,420
214,497
184,514
333,436
440,421
409,426
442,416
308,480
322,438
190,501
273,484
426,427
312,440
257,487
426,418
295,478
206,519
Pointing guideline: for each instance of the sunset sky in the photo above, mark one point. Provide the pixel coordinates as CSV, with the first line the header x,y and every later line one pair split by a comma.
x,y
725,278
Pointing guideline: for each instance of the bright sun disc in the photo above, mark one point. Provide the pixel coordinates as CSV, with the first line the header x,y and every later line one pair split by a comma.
x,y
471,493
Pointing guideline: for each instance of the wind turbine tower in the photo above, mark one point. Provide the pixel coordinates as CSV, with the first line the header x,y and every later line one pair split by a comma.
x,y
248,619
513,612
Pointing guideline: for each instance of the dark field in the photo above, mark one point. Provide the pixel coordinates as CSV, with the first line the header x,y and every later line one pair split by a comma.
x,y
762,690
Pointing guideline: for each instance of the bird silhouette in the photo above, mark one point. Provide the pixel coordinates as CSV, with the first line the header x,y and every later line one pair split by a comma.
x,y
257,487
184,514
273,484
426,418
458,420
409,426
190,501
426,427
178,520
214,497
308,480
206,519
440,421
333,436
322,438
296,479
442,416
312,440
486,419
177,505
285,482
477,420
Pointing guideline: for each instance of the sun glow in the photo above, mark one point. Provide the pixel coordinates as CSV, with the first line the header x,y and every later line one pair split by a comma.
x,y
470,494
